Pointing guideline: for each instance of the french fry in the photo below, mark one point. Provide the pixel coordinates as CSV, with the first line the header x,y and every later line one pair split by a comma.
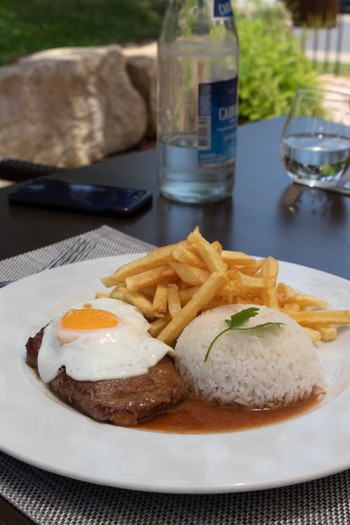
x,y
314,318
158,325
237,259
173,298
205,294
135,298
251,283
270,272
183,255
215,302
149,292
231,288
186,295
217,246
160,301
314,334
291,307
286,293
251,269
328,333
151,260
305,301
210,256
249,300
137,282
190,274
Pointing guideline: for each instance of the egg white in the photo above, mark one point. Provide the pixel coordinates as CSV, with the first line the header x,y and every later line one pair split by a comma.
x,y
110,353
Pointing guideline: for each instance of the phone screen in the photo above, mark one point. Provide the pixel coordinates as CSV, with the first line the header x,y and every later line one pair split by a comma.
x,y
92,199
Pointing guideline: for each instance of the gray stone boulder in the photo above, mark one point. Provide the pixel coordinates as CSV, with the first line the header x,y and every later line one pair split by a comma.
x,y
143,74
142,68
69,107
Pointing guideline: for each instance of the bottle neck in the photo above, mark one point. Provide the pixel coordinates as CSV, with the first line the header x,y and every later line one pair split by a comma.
x,y
185,18
216,8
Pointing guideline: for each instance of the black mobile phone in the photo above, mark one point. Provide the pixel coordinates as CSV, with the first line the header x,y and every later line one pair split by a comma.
x,y
92,199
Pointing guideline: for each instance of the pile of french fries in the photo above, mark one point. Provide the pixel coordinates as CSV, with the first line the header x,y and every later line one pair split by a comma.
x,y
173,284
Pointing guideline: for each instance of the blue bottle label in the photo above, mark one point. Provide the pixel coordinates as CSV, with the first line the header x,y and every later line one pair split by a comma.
x,y
222,9
217,121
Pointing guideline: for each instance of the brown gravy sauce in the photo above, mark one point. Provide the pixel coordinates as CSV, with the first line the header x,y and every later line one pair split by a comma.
x,y
197,417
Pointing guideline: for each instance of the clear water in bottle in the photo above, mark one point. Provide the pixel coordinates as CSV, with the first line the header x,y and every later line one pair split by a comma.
x,y
197,103
182,177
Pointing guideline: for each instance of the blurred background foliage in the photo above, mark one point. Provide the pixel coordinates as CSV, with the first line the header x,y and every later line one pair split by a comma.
x,y
272,64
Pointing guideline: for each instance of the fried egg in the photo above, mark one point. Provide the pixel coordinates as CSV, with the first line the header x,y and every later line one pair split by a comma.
x,y
100,339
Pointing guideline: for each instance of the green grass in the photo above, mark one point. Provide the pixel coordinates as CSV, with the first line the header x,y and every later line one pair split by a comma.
x,y
27,26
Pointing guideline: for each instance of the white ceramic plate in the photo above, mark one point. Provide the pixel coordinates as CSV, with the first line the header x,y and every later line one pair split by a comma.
x,y
38,429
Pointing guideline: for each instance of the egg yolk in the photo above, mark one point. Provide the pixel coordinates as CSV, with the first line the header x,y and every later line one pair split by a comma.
x,y
88,319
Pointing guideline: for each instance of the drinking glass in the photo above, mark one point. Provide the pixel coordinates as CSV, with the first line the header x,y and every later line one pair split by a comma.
x,y
315,142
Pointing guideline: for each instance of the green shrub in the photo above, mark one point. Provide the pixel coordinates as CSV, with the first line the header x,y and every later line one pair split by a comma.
x,y
272,66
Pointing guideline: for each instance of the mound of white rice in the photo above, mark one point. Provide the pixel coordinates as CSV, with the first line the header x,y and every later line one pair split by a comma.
x,y
255,368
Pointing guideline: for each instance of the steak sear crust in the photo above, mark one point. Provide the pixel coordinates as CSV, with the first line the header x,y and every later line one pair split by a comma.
x,y
123,402
33,346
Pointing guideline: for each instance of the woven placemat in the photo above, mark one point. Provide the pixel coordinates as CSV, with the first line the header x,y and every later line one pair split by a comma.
x,y
104,242
50,499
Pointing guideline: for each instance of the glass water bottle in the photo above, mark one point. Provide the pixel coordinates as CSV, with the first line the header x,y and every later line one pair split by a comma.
x,y
198,53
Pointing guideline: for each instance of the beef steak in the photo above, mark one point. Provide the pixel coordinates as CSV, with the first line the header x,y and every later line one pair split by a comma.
x,y
123,402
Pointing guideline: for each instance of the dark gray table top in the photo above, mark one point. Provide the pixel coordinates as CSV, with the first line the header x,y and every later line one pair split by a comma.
x,y
267,215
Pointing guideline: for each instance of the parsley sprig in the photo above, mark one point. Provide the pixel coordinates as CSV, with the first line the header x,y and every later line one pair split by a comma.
x,y
235,323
